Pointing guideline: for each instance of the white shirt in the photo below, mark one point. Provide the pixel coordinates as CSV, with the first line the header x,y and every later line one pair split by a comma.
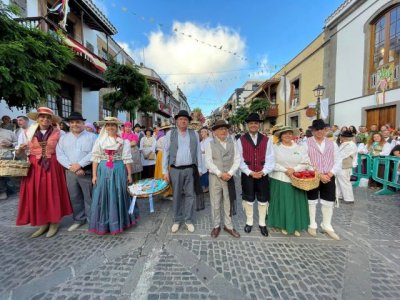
x,y
269,157
210,163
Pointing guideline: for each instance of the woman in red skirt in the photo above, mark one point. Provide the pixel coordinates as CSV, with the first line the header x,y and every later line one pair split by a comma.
x,y
44,199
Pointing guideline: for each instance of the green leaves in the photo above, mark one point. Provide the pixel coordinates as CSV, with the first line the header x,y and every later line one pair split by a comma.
x,y
148,104
31,63
240,115
260,105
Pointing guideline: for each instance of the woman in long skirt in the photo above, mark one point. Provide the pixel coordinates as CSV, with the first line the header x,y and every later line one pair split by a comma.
x,y
158,167
112,160
288,209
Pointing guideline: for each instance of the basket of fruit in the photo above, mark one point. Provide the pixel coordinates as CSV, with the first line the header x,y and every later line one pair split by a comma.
x,y
305,180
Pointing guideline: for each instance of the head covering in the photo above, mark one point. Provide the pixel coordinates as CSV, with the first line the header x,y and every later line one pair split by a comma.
x,y
220,123
137,125
253,117
90,125
75,116
109,120
276,127
128,124
183,113
166,125
318,124
347,134
43,111
278,132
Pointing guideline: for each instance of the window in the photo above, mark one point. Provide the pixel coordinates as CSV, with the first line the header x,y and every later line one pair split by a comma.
x,y
63,103
295,93
106,112
385,45
294,122
90,47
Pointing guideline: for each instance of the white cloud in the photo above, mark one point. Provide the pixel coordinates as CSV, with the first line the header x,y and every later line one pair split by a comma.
x,y
190,56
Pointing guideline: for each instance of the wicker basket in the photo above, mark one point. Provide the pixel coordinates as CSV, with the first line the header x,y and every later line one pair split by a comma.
x,y
306,184
14,168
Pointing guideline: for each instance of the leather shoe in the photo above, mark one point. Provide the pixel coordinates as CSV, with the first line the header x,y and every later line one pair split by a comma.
x,y
264,230
232,232
215,232
247,228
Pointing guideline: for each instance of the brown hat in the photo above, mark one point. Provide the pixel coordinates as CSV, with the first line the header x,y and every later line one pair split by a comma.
x,y
220,123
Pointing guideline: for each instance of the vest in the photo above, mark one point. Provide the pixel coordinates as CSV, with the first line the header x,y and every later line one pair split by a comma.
x,y
254,155
223,158
36,149
173,148
322,161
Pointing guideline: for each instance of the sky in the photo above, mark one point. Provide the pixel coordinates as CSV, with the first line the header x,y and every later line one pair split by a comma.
x,y
208,48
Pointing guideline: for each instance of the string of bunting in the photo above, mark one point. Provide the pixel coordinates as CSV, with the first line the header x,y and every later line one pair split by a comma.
x,y
189,35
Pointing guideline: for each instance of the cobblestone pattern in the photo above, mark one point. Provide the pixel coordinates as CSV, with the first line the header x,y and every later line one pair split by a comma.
x,y
171,280
106,282
34,258
276,270
385,281
8,211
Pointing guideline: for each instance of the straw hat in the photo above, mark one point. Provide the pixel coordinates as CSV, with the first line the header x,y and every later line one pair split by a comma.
x,y
219,124
166,125
110,120
278,132
44,111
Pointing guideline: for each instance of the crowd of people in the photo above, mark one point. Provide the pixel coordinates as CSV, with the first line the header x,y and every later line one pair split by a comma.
x,y
84,169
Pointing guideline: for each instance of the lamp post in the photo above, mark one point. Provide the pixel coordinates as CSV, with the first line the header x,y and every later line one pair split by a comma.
x,y
319,92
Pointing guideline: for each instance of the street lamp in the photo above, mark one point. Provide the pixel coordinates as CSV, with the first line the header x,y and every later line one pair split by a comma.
x,y
319,92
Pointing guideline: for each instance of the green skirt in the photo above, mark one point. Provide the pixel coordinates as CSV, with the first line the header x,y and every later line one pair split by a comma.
x,y
288,208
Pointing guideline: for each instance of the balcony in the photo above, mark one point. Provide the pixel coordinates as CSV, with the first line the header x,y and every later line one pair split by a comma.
x,y
85,66
164,109
272,112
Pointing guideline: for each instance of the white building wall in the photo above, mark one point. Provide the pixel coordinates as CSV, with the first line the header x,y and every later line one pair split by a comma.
x,y
32,8
90,105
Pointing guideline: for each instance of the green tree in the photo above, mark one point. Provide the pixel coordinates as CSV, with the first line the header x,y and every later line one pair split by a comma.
x,y
260,105
31,62
240,115
128,85
148,104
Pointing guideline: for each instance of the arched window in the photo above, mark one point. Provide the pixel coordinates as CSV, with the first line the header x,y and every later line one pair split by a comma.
x,y
386,43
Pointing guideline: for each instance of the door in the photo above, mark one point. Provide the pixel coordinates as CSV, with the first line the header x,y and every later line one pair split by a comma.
x,y
381,116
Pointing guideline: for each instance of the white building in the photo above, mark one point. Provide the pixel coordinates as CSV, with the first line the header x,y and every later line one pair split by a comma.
x,y
362,58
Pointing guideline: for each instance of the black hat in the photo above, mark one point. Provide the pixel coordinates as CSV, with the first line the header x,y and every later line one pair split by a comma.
x,y
183,113
219,124
318,124
346,134
253,117
137,125
75,116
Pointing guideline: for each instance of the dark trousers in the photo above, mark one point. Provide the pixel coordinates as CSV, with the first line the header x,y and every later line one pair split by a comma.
x,y
80,194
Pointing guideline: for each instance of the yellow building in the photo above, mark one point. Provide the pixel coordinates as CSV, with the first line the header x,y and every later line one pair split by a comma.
x,y
295,82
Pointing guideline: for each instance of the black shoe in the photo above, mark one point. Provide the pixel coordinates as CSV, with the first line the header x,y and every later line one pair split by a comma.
x,y
264,230
247,228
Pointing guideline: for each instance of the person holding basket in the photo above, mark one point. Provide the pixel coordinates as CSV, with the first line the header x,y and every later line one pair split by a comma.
x,y
288,209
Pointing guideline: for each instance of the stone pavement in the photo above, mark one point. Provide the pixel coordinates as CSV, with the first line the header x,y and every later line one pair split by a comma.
x,y
149,262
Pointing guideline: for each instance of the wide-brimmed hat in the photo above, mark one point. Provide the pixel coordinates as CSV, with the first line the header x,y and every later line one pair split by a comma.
x,y
183,113
318,124
43,111
346,134
253,117
219,124
109,120
278,132
74,116
166,125
276,127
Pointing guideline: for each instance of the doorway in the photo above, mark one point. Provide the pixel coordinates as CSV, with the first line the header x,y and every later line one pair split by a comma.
x,y
381,116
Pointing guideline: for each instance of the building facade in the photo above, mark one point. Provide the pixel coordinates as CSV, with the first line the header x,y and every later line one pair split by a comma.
x,y
362,62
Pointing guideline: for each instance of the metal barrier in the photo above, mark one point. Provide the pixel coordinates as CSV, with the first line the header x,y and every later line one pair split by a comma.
x,y
391,164
363,161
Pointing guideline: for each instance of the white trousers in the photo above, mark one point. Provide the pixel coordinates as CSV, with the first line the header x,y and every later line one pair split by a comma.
x,y
344,188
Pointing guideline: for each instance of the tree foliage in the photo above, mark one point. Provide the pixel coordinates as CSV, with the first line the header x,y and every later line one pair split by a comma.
x,y
129,87
31,62
260,105
240,115
199,115
148,104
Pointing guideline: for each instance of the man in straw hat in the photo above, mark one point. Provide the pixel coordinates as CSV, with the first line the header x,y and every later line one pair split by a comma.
x,y
74,151
348,153
222,159
182,154
325,158
257,161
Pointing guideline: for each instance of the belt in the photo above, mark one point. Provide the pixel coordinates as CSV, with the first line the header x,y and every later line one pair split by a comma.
x,y
182,167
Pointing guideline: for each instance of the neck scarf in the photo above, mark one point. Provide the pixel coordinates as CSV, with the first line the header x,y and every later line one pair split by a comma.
x,y
42,139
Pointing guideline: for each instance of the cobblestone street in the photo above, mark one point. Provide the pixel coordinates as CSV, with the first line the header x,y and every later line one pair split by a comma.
x,y
149,262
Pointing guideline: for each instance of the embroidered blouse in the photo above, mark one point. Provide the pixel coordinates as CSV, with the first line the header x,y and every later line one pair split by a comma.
x,y
121,147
